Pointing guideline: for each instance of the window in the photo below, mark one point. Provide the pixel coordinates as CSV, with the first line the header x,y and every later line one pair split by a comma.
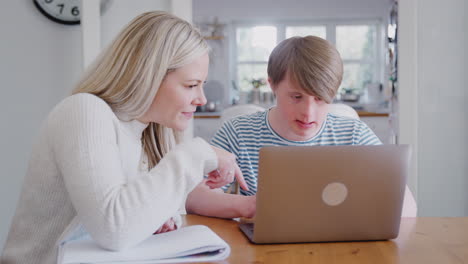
x,y
357,42
357,46
254,45
302,31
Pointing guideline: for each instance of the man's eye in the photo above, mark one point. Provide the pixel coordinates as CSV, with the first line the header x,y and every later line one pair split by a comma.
x,y
192,86
297,96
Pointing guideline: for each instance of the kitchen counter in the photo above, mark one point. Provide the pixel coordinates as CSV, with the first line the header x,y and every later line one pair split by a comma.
x,y
218,114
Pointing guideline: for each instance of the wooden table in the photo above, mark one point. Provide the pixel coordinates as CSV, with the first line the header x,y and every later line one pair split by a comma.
x,y
421,240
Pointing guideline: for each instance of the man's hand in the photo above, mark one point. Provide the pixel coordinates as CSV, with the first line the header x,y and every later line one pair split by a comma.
x,y
248,207
227,170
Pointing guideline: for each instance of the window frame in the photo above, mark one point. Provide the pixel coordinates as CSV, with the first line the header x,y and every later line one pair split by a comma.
x,y
330,28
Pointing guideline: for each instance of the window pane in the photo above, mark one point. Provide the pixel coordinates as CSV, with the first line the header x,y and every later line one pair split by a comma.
x,y
302,31
357,75
255,43
247,72
356,42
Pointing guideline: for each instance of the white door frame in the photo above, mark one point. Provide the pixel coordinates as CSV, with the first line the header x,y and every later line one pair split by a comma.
x,y
408,83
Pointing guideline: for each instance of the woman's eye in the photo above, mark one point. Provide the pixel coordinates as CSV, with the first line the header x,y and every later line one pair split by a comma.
x,y
297,97
195,85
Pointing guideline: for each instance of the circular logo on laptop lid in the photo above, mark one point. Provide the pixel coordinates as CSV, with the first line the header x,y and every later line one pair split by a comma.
x,y
334,193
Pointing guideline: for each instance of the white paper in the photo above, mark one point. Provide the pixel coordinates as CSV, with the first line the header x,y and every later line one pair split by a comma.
x,y
176,246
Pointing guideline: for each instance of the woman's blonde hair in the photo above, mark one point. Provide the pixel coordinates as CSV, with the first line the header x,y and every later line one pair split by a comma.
x,y
312,62
128,74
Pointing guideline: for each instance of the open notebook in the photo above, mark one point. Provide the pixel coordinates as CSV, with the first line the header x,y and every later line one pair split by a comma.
x,y
188,244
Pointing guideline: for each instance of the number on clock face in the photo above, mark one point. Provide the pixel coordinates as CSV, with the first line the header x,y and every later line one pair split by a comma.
x,y
61,11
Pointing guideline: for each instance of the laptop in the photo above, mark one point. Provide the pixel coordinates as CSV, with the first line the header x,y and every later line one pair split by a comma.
x,y
329,193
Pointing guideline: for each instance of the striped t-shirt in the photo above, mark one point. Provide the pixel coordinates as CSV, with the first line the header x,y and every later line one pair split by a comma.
x,y
245,135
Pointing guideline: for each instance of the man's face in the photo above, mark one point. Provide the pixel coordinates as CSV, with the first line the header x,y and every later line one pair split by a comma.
x,y
299,115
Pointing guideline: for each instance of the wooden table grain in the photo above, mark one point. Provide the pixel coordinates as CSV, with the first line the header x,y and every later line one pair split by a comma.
x,y
421,240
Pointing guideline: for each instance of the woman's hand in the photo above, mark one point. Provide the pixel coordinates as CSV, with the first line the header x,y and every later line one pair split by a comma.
x,y
227,170
168,226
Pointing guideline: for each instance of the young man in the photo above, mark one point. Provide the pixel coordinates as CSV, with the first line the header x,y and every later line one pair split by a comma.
x,y
304,74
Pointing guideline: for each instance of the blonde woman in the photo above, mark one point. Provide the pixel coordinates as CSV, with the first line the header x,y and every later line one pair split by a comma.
x,y
109,161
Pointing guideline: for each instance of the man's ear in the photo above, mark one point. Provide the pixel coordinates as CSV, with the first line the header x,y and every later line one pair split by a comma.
x,y
270,83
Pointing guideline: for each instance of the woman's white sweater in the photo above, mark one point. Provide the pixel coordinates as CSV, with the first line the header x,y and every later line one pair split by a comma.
x,y
87,172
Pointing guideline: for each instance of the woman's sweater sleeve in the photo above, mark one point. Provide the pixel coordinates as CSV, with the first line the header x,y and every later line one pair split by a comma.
x,y
116,212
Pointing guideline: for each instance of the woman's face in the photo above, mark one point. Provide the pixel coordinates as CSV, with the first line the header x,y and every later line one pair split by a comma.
x,y
179,95
297,116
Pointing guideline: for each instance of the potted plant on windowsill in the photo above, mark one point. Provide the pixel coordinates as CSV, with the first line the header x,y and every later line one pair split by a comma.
x,y
350,94
255,93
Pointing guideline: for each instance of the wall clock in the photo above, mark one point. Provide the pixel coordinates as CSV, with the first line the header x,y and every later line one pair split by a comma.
x,y
66,12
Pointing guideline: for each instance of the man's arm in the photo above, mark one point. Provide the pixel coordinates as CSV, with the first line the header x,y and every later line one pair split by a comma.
x,y
215,203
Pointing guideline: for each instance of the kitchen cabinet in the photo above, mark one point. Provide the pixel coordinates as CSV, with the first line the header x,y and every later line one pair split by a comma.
x,y
381,127
206,127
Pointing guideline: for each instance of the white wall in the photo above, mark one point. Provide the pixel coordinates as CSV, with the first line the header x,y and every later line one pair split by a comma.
x,y
121,12
40,61
433,101
227,10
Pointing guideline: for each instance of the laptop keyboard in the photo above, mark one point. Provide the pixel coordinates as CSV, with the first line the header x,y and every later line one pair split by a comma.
x,y
248,229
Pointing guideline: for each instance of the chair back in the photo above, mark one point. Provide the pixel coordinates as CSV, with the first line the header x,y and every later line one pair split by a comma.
x,y
237,110
343,110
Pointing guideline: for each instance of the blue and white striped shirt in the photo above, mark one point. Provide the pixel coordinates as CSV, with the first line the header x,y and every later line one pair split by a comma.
x,y
245,135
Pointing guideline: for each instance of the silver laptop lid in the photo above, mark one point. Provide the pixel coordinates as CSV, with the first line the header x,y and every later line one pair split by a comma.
x,y
330,193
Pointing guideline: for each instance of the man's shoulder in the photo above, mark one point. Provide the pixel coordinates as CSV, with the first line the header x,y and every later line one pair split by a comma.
x,y
253,119
342,127
339,121
243,126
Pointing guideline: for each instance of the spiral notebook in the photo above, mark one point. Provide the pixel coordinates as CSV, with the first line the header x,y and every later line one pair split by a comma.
x,y
188,244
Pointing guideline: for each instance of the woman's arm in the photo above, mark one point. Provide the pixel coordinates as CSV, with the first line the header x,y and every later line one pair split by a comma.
x,y
119,213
